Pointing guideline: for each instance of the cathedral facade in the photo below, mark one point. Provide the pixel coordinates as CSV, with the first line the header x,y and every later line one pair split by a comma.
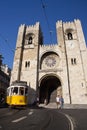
x,y
51,70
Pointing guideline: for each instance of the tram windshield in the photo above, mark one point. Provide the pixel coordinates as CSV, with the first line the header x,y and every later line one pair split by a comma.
x,y
21,90
15,90
26,91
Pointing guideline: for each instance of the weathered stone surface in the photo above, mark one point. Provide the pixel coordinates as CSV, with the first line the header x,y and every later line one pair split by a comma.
x,y
66,60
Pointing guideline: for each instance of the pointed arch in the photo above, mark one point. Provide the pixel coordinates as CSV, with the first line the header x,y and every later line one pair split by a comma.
x,y
50,87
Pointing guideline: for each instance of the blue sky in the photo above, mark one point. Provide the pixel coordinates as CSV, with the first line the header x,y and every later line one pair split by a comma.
x,y
16,12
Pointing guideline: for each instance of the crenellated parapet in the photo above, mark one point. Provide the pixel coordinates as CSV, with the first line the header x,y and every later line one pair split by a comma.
x,y
30,28
69,26
58,23
49,46
21,26
77,21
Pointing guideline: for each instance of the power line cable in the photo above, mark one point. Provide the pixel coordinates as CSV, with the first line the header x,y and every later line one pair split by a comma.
x,y
6,41
3,50
44,10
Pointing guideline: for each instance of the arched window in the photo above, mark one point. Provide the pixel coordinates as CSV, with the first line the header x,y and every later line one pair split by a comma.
x,y
27,64
69,35
30,40
73,61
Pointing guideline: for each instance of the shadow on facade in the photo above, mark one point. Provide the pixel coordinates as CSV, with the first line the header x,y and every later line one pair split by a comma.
x,y
32,96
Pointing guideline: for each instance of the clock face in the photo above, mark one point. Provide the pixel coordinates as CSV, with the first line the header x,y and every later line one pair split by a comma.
x,y
50,61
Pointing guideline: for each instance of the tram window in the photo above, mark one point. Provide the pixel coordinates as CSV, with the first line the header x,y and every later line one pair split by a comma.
x,y
11,91
15,91
26,91
7,92
21,91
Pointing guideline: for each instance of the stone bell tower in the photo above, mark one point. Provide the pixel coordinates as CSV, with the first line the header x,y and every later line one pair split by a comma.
x,y
25,67
71,39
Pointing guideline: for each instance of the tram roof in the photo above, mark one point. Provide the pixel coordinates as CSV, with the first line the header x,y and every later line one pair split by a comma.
x,y
18,84
12,86
22,83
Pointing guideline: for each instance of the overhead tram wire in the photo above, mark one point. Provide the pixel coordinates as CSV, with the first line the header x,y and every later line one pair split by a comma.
x,y
44,10
6,41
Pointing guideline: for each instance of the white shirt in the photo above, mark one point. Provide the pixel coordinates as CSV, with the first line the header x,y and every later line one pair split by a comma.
x,y
57,99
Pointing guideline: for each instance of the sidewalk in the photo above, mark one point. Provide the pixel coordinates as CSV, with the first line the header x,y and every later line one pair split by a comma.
x,y
66,106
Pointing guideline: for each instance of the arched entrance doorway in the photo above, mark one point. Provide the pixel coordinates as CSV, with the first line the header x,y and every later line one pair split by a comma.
x,y
50,86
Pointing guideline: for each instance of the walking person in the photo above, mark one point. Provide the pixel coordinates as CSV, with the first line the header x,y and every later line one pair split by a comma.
x,y
37,102
61,101
58,101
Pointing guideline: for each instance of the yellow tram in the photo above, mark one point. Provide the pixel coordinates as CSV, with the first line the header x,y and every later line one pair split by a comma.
x,y
17,94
